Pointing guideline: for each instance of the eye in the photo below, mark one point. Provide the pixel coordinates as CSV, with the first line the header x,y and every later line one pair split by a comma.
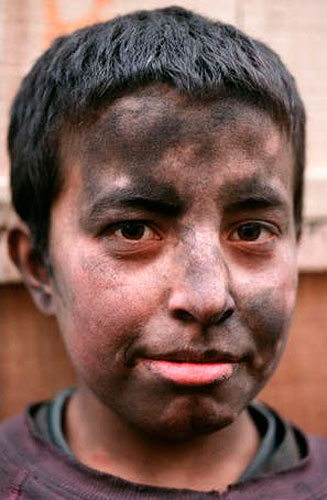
x,y
132,231
249,232
252,232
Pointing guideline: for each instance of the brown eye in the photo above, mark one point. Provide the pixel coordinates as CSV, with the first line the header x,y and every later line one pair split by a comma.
x,y
133,230
249,232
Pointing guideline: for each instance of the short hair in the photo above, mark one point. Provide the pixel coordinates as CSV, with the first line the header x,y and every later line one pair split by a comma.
x,y
82,71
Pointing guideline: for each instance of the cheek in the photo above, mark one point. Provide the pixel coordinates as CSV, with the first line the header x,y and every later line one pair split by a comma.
x,y
103,310
268,317
267,311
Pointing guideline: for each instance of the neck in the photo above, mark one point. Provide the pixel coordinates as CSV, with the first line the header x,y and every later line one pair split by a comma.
x,y
102,441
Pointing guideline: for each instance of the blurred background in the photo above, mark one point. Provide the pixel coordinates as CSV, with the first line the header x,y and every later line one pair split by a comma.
x,y
34,365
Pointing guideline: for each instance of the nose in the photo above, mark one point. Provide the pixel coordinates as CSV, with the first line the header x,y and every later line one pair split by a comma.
x,y
201,289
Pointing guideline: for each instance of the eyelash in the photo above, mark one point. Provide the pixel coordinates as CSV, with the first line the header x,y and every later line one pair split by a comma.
x,y
119,226
260,226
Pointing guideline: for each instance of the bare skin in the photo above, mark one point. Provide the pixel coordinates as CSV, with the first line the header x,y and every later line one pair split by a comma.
x,y
170,252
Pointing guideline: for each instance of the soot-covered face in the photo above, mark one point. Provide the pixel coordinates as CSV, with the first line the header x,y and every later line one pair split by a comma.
x,y
173,252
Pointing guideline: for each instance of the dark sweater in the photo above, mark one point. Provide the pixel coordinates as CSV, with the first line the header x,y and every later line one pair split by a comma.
x,y
32,467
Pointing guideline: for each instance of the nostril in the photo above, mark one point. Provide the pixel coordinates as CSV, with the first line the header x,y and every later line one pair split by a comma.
x,y
228,313
220,318
214,319
184,316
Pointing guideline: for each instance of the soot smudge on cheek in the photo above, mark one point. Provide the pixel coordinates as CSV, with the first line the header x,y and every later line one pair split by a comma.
x,y
267,319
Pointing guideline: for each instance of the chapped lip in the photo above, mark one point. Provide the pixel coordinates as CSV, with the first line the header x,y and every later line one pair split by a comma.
x,y
190,356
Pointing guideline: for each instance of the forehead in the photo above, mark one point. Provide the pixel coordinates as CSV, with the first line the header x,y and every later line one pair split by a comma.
x,y
159,134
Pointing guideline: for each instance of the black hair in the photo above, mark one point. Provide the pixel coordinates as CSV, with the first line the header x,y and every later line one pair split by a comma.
x,y
81,71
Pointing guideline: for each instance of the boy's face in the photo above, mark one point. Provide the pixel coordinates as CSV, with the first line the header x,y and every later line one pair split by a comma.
x,y
173,250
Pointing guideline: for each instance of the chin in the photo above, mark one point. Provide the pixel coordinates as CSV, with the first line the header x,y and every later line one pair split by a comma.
x,y
189,430
184,422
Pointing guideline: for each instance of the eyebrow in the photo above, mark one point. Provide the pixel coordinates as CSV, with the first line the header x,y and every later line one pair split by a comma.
x,y
235,196
150,196
251,193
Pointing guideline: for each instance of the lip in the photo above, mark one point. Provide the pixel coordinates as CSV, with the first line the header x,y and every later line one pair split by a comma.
x,y
193,356
192,368
190,374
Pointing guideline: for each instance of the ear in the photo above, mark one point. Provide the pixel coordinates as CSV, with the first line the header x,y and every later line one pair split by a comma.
x,y
30,263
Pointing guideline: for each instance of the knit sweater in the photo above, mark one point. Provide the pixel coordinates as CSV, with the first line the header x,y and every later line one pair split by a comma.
x,y
32,467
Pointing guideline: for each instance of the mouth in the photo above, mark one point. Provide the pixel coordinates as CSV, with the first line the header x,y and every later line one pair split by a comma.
x,y
192,369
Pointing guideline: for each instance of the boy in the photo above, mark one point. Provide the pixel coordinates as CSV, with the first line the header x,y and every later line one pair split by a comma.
x,y
157,163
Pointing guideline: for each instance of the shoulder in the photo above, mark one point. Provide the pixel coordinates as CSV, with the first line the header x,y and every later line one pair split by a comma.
x,y
7,427
24,453
13,437
312,465
33,467
18,436
304,480
12,432
318,451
